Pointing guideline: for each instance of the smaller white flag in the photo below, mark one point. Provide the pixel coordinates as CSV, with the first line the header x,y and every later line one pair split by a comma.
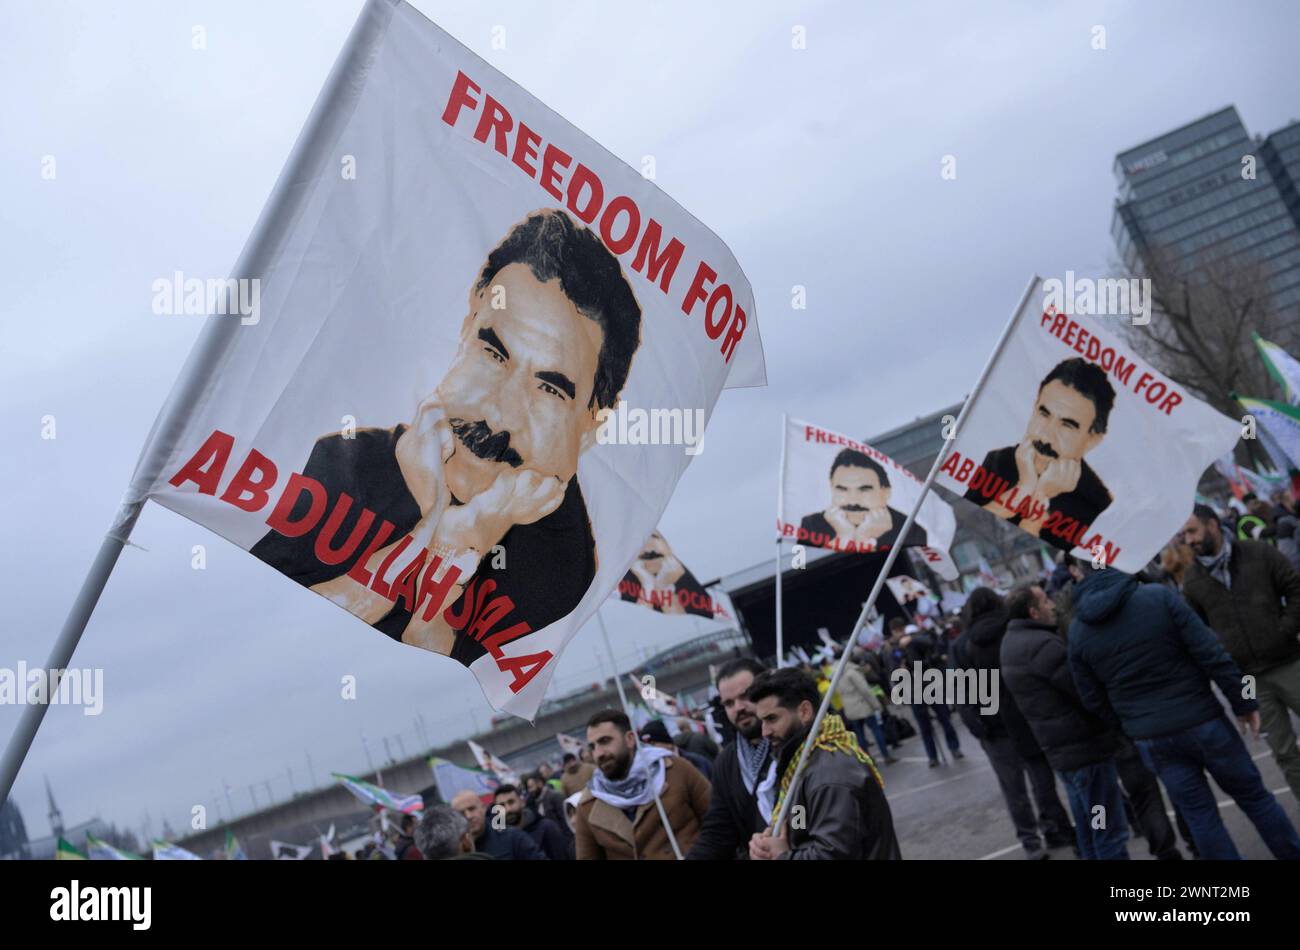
x,y
289,852
490,763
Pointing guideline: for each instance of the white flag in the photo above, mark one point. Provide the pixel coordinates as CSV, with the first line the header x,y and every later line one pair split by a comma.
x,y
289,852
166,851
569,744
842,494
1081,443
490,763
410,410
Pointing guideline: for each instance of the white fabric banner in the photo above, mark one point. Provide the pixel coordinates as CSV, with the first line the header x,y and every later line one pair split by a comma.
x,y
1081,443
842,494
657,579
414,419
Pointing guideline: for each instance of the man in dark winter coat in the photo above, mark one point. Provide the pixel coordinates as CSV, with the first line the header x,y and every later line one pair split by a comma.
x,y
843,810
1249,594
1141,657
1005,736
1035,669
739,772
550,840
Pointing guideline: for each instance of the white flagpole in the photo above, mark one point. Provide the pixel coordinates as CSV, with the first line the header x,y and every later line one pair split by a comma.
x,y
780,511
779,818
627,711
312,149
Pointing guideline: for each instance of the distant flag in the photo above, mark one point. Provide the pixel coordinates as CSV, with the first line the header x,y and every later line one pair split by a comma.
x,y
1280,421
1049,565
1282,366
166,851
103,851
67,852
658,701
658,580
374,795
490,763
452,778
845,495
569,744
987,577
325,847
1242,480
289,852
234,852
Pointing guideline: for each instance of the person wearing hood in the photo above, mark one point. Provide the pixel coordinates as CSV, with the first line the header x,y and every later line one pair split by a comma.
x,y
1078,745
1250,596
620,816
1142,658
1006,737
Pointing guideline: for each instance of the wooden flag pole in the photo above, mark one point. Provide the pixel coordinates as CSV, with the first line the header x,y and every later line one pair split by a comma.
x,y
779,818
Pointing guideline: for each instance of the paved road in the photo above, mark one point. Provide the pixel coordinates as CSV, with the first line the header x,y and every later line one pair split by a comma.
x,y
956,810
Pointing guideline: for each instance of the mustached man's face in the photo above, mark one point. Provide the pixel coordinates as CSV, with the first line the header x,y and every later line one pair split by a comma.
x,y
779,724
1201,537
519,391
612,749
857,491
653,553
741,712
1061,425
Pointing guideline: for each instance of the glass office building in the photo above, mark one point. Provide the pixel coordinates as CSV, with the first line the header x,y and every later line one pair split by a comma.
x,y
1189,196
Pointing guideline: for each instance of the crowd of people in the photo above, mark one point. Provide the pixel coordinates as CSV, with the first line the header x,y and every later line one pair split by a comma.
x,y
1106,684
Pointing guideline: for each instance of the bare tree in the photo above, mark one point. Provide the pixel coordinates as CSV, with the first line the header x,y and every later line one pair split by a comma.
x,y
1203,313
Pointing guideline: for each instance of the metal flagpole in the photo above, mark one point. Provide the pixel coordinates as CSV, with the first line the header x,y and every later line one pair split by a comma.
x,y
779,818
313,148
780,512
627,711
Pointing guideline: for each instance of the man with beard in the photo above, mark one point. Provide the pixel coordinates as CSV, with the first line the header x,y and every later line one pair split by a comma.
x,y
741,773
490,838
550,840
546,801
1045,474
658,579
1247,592
859,514
485,476
839,798
620,816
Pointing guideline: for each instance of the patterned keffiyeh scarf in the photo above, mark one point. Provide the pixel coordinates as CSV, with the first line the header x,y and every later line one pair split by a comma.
x,y
751,758
831,737
1217,564
644,780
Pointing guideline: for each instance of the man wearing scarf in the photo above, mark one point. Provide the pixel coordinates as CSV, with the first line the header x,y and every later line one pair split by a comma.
x,y
838,809
742,772
618,817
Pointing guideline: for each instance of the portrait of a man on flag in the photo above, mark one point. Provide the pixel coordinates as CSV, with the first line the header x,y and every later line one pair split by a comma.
x,y
486,471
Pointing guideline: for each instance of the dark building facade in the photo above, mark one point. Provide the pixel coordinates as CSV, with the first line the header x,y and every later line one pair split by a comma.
x,y
1209,192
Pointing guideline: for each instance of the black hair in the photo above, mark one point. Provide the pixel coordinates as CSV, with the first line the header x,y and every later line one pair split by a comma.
x,y
982,600
1205,514
789,686
505,790
1021,599
852,458
1090,380
554,247
744,664
618,718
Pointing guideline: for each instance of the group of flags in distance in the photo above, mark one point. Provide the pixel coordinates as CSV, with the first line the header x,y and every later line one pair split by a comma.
x,y
99,850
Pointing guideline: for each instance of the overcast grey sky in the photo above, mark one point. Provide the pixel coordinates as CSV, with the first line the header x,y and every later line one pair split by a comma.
x,y
820,167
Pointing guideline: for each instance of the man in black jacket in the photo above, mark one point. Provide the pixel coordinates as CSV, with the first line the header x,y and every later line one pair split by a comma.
x,y
838,810
550,840
1035,669
739,771
1005,736
1249,594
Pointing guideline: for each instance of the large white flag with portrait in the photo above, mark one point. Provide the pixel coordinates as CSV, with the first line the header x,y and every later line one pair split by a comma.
x,y
455,288
1081,443
842,494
